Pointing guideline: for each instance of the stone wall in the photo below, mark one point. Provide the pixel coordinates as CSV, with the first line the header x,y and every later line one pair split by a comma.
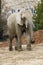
x,y
38,36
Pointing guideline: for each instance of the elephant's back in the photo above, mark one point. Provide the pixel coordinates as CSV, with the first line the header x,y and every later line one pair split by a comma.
x,y
11,20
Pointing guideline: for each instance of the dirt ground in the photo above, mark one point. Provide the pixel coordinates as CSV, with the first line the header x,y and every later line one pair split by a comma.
x,y
25,57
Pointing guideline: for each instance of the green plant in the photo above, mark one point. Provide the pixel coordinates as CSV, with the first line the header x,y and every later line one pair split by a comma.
x,y
38,16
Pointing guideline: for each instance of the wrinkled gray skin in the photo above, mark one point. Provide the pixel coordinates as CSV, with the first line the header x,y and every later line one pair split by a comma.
x,y
16,24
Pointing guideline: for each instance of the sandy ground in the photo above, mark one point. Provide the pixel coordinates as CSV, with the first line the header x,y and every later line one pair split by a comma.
x,y
25,57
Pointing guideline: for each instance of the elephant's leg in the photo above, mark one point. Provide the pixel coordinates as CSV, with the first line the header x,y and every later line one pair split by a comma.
x,y
31,37
10,44
18,44
28,42
31,34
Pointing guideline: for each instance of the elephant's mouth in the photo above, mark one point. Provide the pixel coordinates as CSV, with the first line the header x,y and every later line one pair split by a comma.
x,y
23,27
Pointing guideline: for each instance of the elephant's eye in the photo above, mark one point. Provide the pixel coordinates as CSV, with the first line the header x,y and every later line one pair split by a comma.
x,y
18,10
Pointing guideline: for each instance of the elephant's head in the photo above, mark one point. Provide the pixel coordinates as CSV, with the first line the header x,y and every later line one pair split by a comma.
x,y
25,17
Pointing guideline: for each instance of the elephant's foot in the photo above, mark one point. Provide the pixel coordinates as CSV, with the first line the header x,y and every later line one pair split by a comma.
x,y
32,41
29,47
10,49
18,48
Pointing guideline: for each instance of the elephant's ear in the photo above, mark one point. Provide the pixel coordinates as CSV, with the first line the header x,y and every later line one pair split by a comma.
x,y
18,19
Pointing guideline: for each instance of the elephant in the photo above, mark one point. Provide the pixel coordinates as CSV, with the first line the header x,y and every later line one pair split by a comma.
x,y
17,23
